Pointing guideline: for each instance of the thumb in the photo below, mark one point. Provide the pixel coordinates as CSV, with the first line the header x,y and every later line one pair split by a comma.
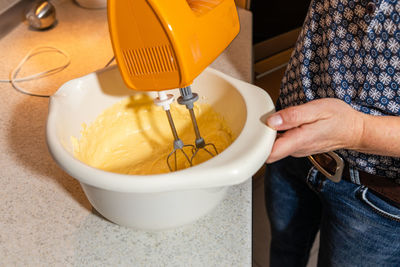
x,y
294,116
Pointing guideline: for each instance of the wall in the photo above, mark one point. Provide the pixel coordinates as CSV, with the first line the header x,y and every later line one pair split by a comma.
x,y
6,4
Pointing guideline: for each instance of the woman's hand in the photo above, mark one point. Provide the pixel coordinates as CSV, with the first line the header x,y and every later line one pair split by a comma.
x,y
315,127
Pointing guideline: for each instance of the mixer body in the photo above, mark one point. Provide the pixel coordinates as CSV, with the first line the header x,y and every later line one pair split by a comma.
x,y
162,45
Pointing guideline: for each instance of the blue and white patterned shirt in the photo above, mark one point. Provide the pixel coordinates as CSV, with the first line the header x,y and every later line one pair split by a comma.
x,y
350,49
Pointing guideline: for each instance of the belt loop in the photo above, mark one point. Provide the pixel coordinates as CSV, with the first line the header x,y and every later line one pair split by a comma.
x,y
311,178
354,176
312,173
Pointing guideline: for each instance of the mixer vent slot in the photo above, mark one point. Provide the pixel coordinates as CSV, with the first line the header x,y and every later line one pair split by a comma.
x,y
150,60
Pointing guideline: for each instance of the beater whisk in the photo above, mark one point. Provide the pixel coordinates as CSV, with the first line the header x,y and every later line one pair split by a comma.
x,y
188,98
165,100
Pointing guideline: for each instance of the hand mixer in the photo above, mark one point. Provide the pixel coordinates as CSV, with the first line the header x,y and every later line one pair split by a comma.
x,y
166,44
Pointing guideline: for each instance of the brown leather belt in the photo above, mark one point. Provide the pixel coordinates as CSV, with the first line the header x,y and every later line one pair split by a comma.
x,y
383,186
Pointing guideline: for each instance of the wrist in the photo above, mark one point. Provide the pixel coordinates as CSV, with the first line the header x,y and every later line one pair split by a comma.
x,y
358,135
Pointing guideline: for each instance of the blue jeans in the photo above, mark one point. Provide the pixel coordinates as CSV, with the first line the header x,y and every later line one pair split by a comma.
x,y
357,228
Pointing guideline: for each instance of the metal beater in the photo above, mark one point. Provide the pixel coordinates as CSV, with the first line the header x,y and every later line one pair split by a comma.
x,y
165,101
188,98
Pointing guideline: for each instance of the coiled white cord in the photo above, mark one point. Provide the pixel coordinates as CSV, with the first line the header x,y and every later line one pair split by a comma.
x,y
36,51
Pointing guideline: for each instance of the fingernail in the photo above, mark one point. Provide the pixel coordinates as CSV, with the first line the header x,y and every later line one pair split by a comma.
x,y
274,121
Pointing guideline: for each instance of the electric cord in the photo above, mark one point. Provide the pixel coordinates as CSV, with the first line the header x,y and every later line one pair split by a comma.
x,y
33,52
109,62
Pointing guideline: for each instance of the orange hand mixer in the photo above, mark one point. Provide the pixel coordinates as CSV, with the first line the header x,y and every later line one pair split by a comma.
x,y
166,44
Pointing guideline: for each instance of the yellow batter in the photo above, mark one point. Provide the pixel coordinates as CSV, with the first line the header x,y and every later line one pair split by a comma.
x,y
134,137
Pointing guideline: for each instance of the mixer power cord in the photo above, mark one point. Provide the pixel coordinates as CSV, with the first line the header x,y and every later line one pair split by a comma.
x,y
36,51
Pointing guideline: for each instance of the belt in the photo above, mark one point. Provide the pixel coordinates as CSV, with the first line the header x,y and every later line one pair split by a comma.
x,y
334,168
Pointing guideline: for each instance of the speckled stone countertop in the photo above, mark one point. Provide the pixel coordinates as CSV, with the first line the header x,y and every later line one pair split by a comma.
x,y
45,218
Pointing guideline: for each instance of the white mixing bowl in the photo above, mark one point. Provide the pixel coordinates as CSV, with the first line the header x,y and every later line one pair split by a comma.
x,y
155,202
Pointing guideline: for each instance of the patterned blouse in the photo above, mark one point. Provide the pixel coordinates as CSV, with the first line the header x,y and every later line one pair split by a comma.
x,y
350,49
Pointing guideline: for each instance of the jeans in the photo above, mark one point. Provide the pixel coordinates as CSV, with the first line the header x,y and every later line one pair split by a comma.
x,y
357,227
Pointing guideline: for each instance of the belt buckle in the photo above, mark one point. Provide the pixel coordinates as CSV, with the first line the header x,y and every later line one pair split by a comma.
x,y
337,176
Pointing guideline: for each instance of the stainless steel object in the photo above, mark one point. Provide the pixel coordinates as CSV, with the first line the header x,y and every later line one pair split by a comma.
x,y
188,98
164,100
178,146
42,15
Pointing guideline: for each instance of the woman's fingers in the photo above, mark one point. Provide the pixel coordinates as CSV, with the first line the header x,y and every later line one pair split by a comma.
x,y
294,142
282,147
295,116
315,127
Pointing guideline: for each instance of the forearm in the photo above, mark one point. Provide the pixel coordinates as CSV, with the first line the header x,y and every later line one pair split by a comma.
x,y
380,135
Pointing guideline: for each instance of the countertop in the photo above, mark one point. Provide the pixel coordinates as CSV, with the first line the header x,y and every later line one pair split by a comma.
x,y
45,218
